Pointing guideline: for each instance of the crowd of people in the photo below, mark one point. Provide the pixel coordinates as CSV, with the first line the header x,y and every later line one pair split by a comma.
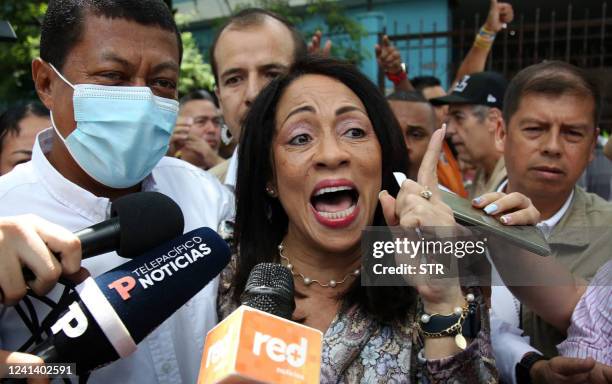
x,y
297,151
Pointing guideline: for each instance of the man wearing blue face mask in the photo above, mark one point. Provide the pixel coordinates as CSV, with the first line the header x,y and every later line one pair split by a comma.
x,y
108,72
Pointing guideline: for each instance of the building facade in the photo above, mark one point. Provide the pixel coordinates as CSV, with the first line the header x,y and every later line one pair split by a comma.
x,y
391,16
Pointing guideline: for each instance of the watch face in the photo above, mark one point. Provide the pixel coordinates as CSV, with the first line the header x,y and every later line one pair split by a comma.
x,y
522,374
523,368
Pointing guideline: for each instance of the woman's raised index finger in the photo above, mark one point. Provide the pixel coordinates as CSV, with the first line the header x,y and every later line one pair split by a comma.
x,y
428,171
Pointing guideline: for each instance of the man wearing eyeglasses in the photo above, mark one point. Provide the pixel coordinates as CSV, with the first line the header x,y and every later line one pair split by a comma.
x,y
197,134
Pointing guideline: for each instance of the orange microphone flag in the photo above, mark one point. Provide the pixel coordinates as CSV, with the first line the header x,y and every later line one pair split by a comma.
x,y
252,346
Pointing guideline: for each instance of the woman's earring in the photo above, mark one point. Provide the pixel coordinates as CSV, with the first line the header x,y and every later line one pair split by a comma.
x,y
226,135
270,191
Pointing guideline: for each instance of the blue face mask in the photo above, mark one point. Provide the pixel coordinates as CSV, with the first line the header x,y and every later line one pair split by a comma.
x,y
121,132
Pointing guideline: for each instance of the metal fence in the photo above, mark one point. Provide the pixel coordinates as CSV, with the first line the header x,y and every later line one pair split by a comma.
x,y
580,37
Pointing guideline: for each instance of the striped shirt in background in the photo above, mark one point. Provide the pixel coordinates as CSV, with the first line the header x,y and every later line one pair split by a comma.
x,y
590,332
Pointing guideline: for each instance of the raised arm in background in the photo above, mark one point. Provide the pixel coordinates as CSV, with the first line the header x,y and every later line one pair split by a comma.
x,y
500,14
389,58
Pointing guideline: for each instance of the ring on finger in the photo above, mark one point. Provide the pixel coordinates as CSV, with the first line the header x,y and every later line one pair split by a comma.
x,y
426,193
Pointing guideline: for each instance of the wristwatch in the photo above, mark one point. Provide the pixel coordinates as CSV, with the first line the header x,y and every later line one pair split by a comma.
x,y
523,367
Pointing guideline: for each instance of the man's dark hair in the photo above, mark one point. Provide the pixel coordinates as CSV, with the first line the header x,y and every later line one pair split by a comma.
x,y
421,82
9,120
254,17
551,78
63,24
261,221
199,94
411,96
415,97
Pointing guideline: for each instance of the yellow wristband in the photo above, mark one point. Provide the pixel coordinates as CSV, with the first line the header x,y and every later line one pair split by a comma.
x,y
481,42
487,32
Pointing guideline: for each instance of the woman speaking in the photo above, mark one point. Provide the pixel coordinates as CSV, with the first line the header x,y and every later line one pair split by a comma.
x,y
318,147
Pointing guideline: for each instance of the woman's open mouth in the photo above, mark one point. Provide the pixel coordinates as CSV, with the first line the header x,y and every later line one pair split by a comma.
x,y
334,203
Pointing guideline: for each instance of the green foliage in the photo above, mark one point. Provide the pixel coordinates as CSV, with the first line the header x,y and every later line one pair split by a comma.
x,y
195,73
345,32
16,58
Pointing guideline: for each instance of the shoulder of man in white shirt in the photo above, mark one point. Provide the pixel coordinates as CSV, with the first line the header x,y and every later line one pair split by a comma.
x,y
189,186
21,174
193,188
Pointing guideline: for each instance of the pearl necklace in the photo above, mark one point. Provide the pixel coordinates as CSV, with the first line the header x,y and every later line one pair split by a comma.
x,y
307,280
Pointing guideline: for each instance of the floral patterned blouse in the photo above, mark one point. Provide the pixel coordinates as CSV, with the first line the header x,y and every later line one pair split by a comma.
x,y
357,348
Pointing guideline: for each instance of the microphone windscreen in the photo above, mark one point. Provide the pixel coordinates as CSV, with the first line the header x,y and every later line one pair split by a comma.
x,y
146,290
146,219
270,288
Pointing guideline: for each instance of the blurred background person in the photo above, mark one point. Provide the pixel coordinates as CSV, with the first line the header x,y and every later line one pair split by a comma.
x,y
597,177
552,113
197,133
251,49
455,168
608,149
19,126
475,112
417,120
431,87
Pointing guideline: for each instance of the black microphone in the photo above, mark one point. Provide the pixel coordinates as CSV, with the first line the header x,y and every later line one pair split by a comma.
x,y
109,315
270,288
139,222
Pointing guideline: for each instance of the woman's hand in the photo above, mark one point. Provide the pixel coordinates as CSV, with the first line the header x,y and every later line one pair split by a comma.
x,y
510,209
412,210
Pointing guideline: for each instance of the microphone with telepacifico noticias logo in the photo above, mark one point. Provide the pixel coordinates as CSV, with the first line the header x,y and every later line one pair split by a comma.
x,y
138,222
258,343
108,315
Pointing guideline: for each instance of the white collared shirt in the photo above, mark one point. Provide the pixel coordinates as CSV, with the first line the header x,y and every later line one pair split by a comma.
x,y
548,225
172,353
232,170
509,346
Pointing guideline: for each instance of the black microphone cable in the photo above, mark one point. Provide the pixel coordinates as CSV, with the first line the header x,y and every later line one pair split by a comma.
x,y
133,229
37,328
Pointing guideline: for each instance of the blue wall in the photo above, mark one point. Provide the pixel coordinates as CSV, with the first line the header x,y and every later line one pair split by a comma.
x,y
399,17
404,17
